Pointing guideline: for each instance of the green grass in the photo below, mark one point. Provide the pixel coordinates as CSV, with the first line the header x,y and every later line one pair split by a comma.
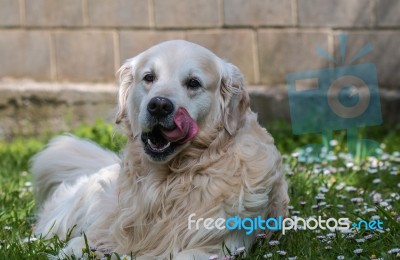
x,y
306,181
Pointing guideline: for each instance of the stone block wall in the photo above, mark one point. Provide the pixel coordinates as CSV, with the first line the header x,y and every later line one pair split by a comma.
x,y
87,40
67,48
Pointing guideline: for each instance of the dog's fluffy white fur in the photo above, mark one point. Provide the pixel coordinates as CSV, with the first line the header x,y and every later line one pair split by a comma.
x,y
136,204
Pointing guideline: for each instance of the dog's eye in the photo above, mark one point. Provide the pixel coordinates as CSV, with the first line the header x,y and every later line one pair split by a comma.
x,y
193,84
149,77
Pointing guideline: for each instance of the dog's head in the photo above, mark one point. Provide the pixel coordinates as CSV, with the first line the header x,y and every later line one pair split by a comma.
x,y
174,90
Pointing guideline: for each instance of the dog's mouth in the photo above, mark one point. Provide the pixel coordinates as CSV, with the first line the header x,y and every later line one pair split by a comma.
x,y
156,145
161,142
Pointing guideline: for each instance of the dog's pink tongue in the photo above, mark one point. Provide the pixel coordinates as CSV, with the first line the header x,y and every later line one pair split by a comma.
x,y
186,128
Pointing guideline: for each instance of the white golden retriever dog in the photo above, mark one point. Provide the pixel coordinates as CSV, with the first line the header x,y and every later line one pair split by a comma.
x,y
194,147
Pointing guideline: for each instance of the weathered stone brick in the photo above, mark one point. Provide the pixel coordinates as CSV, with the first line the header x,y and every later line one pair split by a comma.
x,y
119,13
384,55
186,14
257,12
25,54
9,13
54,13
84,56
282,52
338,13
33,108
388,12
134,42
270,103
236,46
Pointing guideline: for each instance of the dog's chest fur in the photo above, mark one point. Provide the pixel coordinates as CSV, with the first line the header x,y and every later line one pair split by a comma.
x,y
163,197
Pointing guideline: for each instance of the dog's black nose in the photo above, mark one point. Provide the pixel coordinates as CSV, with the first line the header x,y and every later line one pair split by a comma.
x,y
160,106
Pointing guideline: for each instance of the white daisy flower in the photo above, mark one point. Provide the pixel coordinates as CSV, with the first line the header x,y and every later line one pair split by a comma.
x,y
340,186
394,251
241,249
375,217
333,142
372,170
323,189
368,237
377,198
350,189
357,200
281,252
383,204
261,236
349,164
376,181
29,239
346,231
331,235
273,243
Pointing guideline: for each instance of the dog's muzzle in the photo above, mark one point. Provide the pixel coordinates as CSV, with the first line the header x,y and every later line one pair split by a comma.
x,y
169,131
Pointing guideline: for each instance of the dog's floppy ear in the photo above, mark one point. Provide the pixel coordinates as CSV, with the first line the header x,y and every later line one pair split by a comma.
x,y
125,80
235,99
